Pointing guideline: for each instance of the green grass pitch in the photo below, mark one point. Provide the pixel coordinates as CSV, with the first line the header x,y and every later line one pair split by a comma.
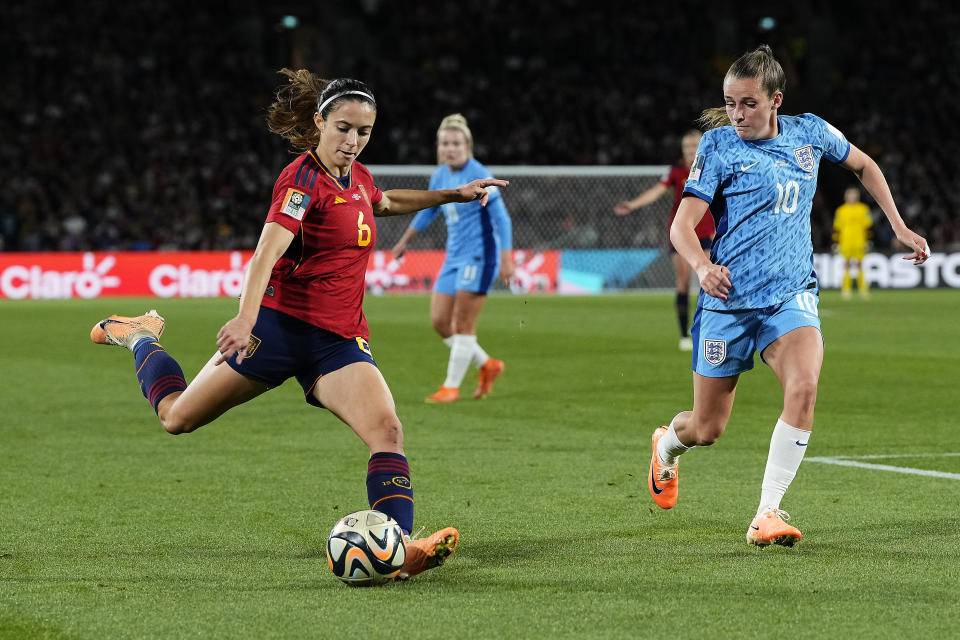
x,y
110,528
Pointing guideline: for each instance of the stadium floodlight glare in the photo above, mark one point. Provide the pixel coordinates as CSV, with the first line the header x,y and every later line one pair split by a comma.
x,y
767,24
290,22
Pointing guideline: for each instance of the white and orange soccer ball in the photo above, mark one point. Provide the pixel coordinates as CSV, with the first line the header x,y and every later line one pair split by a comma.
x,y
366,548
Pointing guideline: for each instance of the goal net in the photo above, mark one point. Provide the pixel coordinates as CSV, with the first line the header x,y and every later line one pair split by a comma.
x,y
566,237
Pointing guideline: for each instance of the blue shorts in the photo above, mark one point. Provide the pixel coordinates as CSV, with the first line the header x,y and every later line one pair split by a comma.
x,y
476,276
282,346
724,342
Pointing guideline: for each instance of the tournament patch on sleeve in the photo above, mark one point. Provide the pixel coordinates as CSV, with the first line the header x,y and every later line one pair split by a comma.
x,y
696,168
295,204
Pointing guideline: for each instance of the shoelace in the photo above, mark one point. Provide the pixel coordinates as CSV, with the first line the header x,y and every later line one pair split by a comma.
x,y
416,535
667,473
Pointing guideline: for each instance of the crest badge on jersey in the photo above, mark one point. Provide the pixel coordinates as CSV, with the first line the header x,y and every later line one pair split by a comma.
x,y
804,156
295,204
714,351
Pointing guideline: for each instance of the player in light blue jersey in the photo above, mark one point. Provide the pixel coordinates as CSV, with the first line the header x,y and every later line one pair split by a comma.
x,y
757,172
479,245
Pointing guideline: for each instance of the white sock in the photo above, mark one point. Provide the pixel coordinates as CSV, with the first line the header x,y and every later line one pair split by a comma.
x,y
669,446
787,446
479,356
461,351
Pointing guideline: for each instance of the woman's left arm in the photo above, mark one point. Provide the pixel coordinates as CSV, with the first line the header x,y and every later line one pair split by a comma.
x,y
870,175
397,202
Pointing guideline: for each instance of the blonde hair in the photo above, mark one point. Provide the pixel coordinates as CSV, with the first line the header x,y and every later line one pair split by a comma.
x,y
456,122
758,63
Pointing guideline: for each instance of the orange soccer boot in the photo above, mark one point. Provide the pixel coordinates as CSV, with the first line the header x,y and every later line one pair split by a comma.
x,y
427,553
489,372
122,331
662,479
769,528
445,394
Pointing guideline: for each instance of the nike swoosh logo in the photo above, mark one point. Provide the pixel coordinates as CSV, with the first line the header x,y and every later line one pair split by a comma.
x,y
755,528
802,444
745,167
653,482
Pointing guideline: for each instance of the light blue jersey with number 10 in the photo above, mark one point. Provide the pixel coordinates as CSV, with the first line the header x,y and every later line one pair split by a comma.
x,y
761,193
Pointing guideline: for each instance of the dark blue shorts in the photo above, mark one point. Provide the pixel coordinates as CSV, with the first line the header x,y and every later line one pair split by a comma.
x,y
282,346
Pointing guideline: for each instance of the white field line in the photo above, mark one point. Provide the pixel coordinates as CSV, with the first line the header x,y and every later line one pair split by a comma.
x,y
853,461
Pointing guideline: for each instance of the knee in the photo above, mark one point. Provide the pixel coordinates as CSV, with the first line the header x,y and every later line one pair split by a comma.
x,y
174,424
708,432
801,394
388,433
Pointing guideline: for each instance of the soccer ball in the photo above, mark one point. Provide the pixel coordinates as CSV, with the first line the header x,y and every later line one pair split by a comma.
x,y
366,548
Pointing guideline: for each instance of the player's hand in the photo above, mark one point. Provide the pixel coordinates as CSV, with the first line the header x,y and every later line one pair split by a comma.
x,y
477,190
715,280
233,338
398,250
622,208
507,267
917,243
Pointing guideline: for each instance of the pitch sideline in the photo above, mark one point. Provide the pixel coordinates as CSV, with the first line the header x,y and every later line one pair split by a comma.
x,y
853,461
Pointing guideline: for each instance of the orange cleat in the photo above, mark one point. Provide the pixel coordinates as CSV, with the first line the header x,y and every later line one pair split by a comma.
x,y
769,528
445,394
122,331
662,480
489,372
427,553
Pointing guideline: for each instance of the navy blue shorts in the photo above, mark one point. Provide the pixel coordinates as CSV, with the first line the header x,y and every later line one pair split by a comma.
x,y
282,346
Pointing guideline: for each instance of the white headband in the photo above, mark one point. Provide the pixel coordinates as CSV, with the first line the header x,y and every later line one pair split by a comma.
x,y
340,95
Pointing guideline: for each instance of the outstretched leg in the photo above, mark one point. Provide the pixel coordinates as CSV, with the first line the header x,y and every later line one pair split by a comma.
x,y
358,395
180,408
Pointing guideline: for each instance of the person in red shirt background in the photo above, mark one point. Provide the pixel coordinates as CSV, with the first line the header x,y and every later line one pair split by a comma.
x,y
675,180
301,312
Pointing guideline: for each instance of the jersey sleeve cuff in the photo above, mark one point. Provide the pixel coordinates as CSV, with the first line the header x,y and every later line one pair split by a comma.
x,y
693,192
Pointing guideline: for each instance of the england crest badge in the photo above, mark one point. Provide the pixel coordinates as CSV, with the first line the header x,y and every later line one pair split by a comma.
x,y
714,351
804,156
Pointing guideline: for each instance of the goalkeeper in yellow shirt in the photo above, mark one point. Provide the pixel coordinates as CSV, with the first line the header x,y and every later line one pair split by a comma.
x,y
851,229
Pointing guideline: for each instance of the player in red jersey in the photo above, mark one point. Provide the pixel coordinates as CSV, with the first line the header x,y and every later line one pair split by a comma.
x,y
675,180
301,309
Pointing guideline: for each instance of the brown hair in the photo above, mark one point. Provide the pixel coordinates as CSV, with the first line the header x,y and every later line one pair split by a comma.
x,y
291,114
758,63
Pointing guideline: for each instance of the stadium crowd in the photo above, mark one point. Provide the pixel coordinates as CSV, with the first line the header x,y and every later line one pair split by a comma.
x,y
125,132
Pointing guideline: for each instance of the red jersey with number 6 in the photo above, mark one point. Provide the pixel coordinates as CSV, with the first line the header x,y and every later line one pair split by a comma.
x,y
320,278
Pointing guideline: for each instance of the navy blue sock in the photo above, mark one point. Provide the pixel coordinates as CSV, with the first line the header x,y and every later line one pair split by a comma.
x,y
683,312
389,489
158,373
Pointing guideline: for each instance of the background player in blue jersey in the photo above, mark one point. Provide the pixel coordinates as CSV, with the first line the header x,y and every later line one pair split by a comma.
x,y
479,244
757,172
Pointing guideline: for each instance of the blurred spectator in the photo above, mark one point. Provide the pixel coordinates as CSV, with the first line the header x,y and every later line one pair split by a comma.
x,y
140,126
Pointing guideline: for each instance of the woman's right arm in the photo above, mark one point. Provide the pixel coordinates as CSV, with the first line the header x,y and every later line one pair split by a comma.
x,y
235,335
714,278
